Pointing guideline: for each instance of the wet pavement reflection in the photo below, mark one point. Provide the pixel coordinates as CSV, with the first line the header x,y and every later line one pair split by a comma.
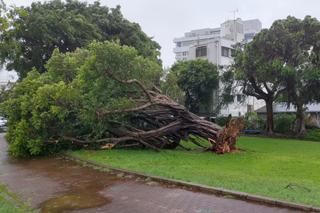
x,y
55,185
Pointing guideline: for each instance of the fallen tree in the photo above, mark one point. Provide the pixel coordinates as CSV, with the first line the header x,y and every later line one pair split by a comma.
x,y
103,98
160,123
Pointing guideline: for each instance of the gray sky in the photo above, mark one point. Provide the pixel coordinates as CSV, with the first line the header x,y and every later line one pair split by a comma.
x,y
166,19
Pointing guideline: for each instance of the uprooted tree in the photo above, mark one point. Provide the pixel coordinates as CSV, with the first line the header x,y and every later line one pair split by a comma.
x,y
103,96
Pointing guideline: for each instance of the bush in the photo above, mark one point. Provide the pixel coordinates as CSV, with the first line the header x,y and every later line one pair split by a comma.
x,y
253,121
313,135
284,123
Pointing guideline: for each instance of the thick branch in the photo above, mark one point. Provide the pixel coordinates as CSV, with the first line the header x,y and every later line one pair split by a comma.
x,y
135,109
131,81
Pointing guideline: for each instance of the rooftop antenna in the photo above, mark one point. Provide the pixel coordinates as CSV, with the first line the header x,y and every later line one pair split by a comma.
x,y
234,13
234,24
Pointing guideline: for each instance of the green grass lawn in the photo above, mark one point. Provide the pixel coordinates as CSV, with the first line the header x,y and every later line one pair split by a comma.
x,y
278,168
11,203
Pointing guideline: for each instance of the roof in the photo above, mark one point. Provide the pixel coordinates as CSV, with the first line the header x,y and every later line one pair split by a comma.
x,y
283,108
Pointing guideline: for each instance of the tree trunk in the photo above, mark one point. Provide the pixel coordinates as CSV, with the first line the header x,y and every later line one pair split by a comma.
x,y
269,107
300,126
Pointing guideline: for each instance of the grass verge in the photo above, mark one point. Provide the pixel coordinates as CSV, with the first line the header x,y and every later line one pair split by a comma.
x,y
278,168
11,203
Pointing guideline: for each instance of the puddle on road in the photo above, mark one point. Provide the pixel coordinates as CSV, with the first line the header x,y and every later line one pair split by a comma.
x,y
83,185
56,184
71,202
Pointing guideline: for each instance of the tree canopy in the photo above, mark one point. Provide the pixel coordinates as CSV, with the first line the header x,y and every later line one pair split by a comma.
x,y
298,47
29,35
259,71
43,108
198,79
282,61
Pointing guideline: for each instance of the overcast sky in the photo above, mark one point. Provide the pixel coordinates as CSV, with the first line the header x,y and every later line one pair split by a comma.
x,y
167,19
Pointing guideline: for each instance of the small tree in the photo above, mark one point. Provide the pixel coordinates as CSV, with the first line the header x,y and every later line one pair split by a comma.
x,y
198,79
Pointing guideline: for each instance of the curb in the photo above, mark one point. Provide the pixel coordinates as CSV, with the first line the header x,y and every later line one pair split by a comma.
x,y
202,188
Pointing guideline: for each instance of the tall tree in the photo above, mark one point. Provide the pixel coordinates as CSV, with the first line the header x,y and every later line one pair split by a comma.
x,y
32,33
282,60
297,44
259,71
198,79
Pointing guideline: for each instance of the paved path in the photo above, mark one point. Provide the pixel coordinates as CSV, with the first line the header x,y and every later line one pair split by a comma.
x,y
57,185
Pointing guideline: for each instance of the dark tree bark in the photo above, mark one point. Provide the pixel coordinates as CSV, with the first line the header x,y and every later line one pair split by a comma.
x,y
300,127
263,91
269,108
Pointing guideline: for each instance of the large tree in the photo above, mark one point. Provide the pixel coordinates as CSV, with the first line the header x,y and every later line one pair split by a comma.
x,y
282,60
30,34
198,79
259,71
297,45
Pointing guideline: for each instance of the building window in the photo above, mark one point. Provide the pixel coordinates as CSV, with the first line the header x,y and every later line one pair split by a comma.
x,y
201,51
225,51
184,53
178,44
250,108
233,52
239,98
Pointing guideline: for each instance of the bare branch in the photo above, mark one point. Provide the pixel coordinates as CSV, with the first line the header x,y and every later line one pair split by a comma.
x,y
139,108
131,81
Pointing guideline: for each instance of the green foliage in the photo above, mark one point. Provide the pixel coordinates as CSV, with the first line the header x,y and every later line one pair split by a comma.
x,y
284,123
297,44
282,61
43,108
253,121
197,79
36,110
313,135
228,87
170,87
29,35
102,93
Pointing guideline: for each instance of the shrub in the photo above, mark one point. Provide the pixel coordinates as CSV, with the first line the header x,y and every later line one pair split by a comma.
x,y
253,121
313,135
284,123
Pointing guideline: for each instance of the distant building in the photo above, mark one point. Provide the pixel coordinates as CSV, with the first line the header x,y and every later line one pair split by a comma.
x,y
216,45
7,78
251,28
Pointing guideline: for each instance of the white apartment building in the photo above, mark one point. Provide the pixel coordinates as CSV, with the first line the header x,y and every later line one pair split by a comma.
x,y
7,77
216,45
